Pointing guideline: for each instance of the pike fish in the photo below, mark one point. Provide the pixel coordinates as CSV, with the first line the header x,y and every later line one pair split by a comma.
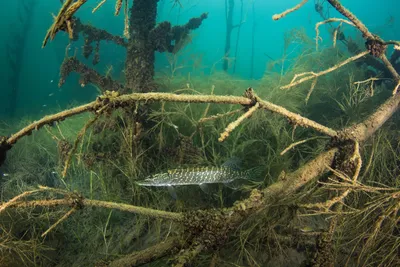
x,y
195,176
201,176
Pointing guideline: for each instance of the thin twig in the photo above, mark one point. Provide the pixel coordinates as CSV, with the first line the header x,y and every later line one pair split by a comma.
x,y
396,88
236,123
63,218
218,116
76,143
118,6
126,20
98,6
299,143
318,74
290,10
325,22
313,84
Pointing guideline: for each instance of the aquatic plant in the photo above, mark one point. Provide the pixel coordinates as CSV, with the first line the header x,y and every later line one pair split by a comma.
x,y
274,214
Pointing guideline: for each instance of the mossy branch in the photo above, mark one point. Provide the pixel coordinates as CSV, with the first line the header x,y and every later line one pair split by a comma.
x,y
88,75
345,12
63,19
236,123
150,254
184,258
123,100
375,40
14,200
283,14
64,22
80,202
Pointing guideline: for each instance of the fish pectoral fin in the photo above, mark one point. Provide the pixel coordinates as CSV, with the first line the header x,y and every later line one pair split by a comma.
x,y
172,192
204,188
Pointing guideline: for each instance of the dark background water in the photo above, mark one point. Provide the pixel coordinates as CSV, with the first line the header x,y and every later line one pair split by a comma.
x,y
38,92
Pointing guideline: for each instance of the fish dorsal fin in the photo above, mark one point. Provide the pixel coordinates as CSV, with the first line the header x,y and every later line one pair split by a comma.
x,y
173,171
254,174
233,163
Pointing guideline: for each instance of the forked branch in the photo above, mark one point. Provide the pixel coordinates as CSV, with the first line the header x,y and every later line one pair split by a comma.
x,y
110,101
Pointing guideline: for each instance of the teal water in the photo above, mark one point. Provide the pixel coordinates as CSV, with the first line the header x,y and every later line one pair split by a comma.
x,y
115,154
38,74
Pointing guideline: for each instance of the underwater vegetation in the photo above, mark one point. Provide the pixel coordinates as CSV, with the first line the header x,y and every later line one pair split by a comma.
x,y
317,141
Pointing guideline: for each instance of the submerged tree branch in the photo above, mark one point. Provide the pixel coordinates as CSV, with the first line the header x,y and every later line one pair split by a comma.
x,y
283,14
313,75
88,75
362,131
150,254
373,43
65,22
118,101
93,34
63,19
345,12
79,202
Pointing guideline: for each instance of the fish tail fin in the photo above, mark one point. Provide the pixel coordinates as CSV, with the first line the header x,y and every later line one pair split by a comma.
x,y
254,173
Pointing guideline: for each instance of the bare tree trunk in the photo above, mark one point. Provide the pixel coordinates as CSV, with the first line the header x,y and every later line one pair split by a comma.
x,y
139,66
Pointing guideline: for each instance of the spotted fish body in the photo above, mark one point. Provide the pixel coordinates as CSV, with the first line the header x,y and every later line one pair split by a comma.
x,y
194,176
